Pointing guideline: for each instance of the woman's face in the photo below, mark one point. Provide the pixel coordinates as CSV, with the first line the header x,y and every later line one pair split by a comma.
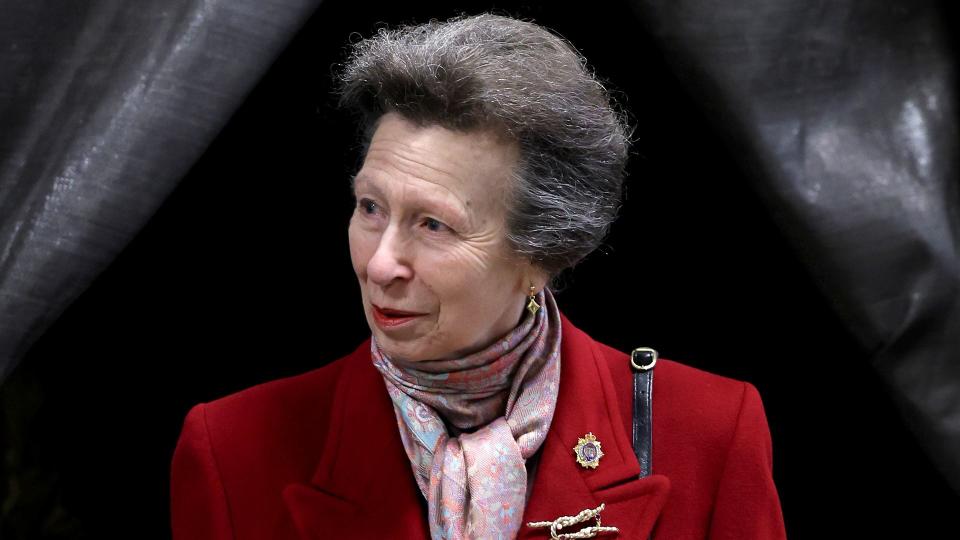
x,y
428,237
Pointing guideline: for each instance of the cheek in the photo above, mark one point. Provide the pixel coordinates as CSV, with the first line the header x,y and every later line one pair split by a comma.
x,y
361,245
471,277
472,260
455,269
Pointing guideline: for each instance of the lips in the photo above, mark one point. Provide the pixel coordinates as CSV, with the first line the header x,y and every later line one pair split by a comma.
x,y
387,318
390,312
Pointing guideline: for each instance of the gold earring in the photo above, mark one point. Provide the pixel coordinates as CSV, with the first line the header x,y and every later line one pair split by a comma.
x,y
532,305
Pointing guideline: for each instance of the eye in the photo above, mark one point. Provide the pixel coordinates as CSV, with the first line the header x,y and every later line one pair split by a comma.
x,y
367,206
434,225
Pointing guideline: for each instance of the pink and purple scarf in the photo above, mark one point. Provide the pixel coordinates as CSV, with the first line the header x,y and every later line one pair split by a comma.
x,y
499,403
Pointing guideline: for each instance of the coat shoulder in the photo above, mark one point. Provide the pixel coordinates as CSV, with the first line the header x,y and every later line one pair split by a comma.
x,y
289,394
287,414
689,399
711,439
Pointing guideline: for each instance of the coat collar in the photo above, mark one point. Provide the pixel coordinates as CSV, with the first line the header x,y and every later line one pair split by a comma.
x,y
363,486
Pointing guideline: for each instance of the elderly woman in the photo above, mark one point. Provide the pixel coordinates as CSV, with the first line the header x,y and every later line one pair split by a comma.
x,y
493,161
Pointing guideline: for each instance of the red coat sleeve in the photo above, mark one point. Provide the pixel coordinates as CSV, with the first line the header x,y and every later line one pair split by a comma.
x,y
198,502
747,506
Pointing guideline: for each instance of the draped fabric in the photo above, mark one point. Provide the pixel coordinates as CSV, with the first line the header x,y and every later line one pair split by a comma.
x,y
106,104
846,114
499,402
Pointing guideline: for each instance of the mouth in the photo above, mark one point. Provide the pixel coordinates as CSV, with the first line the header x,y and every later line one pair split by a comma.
x,y
391,318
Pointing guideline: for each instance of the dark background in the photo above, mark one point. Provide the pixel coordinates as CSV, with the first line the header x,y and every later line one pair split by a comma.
x,y
244,276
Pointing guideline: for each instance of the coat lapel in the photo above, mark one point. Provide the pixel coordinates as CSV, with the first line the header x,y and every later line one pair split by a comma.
x,y
562,487
363,486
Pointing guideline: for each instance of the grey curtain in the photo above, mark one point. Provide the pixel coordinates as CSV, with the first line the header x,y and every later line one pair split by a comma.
x,y
845,112
105,105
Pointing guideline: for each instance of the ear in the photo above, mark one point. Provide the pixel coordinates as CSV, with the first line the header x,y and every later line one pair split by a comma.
x,y
536,276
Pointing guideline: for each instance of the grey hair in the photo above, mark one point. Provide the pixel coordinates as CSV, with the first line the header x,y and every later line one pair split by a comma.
x,y
490,71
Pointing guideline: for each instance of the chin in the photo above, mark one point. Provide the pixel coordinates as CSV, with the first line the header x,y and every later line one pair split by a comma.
x,y
390,347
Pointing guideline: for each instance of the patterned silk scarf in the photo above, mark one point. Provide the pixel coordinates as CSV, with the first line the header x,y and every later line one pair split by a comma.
x,y
500,402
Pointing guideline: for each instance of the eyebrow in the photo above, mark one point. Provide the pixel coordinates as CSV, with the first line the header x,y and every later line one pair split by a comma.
x,y
447,211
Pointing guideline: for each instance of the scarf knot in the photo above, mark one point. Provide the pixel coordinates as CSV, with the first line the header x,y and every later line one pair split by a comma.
x,y
499,402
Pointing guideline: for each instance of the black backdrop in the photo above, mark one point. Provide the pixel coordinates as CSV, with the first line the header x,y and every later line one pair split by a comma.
x,y
244,276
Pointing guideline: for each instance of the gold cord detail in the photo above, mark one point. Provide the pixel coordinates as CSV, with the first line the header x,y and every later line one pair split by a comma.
x,y
566,521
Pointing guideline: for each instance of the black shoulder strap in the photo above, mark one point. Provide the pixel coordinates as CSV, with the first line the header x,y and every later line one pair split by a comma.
x,y
642,361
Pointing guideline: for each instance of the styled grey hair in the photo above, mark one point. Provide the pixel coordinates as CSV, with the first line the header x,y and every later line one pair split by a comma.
x,y
489,71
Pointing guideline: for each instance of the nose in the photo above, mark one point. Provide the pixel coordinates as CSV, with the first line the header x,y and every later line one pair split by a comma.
x,y
390,261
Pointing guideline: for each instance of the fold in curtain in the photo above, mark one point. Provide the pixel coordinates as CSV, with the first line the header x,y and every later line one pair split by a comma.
x,y
105,105
844,111
845,114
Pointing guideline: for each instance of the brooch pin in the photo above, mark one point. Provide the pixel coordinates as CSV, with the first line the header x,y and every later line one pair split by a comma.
x,y
566,521
588,451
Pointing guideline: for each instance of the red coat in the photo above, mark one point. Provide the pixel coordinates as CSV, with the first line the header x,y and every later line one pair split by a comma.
x,y
319,456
